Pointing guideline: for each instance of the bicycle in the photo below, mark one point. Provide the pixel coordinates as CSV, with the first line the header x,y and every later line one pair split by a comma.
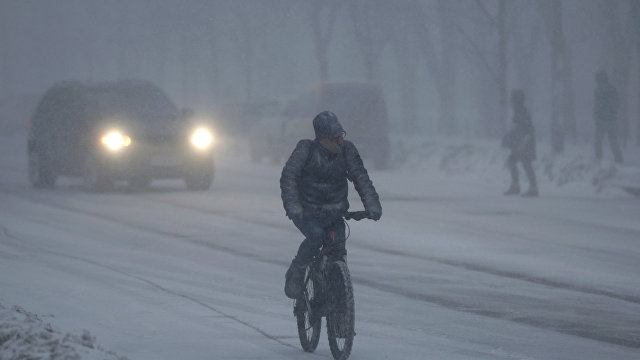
x,y
328,292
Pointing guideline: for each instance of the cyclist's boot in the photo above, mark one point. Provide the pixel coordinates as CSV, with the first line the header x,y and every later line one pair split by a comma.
x,y
294,281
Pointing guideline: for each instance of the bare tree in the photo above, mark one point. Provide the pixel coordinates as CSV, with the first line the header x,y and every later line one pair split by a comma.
x,y
158,37
618,47
404,47
252,23
5,79
448,69
494,61
370,25
559,70
212,38
125,47
498,21
634,14
526,44
440,64
322,25
186,48
616,24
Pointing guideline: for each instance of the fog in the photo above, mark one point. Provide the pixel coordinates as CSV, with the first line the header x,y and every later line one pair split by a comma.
x,y
161,268
446,67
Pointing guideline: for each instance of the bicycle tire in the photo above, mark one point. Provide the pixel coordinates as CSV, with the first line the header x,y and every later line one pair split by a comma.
x,y
341,320
309,325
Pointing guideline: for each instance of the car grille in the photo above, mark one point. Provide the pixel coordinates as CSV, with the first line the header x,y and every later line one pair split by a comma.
x,y
172,139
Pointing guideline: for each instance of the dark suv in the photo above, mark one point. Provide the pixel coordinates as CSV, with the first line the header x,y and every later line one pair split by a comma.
x,y
127,130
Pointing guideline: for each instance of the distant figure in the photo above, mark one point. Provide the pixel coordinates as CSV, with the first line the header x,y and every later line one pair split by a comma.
x,y
521,141
605,115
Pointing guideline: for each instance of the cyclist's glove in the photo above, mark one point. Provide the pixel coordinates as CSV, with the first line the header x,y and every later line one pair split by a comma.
x,y
375,213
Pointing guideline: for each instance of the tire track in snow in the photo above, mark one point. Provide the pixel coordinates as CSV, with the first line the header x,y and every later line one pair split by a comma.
x,y
454,263
155,285
556,325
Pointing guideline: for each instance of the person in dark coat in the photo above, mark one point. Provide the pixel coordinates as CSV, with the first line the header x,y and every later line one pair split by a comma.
x,y
314,190
605,115
522,143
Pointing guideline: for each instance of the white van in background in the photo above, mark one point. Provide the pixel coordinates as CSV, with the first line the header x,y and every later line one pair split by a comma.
x,y
360,108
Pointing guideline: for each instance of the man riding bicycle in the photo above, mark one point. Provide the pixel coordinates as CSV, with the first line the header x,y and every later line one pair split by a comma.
x,y
314,193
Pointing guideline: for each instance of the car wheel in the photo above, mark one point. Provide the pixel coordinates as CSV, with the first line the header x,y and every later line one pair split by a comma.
x,y
95,176
41,173
199,181
139,182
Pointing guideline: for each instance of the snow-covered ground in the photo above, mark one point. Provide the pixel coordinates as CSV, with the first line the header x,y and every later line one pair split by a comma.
x,y
454,270
24,335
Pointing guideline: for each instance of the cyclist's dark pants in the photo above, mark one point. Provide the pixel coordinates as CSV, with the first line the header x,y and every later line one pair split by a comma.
x,y
316,231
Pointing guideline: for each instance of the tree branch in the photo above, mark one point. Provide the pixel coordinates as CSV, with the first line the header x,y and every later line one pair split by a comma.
x,y
480,54
492,20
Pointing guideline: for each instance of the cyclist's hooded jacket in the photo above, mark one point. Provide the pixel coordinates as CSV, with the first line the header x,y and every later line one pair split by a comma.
x,y
314,181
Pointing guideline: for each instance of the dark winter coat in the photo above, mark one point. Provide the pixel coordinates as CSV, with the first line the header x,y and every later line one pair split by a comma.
x,y
521,139
314,181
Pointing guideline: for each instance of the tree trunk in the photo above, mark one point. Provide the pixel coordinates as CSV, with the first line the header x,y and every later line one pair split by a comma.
x,y
408,85
446,78
502,122
558,76
322,37
124,35
214,72
186,55
248,53
569,109
526,44
406,55
617,44
366,26
634,15
5,72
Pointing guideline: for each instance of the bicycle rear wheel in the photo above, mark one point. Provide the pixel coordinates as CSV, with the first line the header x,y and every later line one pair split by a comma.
x,y
309,322
341,319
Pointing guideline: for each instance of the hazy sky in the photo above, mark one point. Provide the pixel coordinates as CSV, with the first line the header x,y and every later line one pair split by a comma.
x,y
205,53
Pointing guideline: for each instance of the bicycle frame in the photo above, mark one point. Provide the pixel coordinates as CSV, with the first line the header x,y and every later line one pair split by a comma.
x,y
328,293
318,270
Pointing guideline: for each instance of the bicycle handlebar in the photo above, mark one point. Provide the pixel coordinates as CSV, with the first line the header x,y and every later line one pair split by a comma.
x,y
356,215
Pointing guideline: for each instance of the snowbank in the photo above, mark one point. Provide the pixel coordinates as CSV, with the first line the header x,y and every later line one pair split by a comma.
x,y
24,335
574,172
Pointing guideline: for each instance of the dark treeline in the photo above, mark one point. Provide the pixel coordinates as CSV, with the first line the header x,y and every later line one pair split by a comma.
x,y
447,67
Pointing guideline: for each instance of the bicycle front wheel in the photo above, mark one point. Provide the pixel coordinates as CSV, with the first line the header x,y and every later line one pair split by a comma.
x,y
309,321
341,318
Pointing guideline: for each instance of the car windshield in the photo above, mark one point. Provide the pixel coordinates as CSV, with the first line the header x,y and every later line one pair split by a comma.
x,y
143,104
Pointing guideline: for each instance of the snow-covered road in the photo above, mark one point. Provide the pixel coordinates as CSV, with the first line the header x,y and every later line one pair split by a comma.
x,y
454,270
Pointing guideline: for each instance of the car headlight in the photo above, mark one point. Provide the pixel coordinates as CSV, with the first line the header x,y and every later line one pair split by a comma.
x,y
114,140
202,138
